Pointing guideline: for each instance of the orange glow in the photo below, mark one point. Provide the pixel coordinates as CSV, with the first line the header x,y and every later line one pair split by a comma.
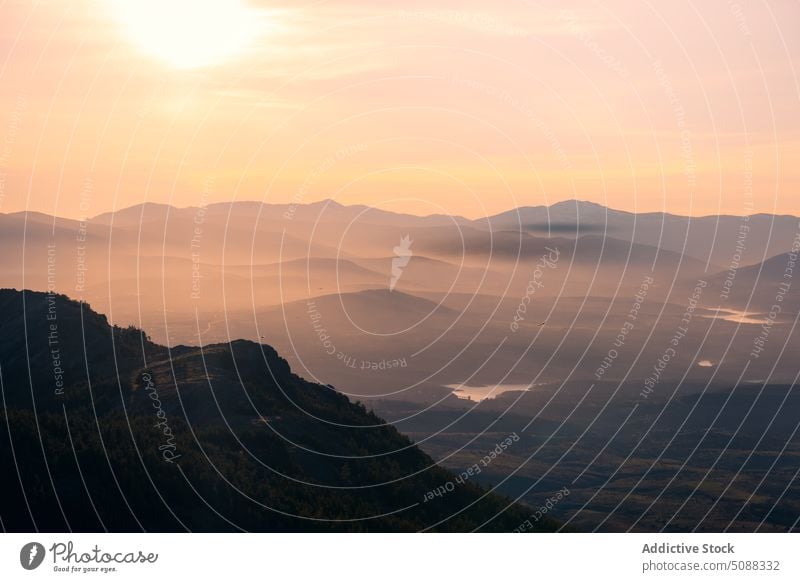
x,y
462,108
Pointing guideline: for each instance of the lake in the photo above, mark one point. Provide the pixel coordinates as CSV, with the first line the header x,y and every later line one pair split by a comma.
x,y
735,316
478,393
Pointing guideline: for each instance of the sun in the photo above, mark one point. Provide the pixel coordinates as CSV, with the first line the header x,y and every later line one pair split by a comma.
x,y
188,33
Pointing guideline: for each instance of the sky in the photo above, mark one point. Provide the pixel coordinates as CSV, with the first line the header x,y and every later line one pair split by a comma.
x,y
457,107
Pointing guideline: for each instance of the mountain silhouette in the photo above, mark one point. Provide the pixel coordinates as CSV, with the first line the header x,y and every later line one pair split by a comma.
x,y
107,431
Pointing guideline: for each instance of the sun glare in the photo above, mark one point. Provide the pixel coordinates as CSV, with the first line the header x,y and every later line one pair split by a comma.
x,y
188,33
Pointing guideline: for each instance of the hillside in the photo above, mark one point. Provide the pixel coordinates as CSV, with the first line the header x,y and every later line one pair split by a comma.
x,y
109,431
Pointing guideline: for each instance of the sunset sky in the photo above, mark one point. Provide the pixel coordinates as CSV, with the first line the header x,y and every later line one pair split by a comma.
x,y
458,107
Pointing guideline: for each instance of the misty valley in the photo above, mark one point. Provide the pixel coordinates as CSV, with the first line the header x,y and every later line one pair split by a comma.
x,y
326,367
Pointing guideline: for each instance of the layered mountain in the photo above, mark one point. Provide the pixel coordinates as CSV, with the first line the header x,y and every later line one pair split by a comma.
x,y
716,239
324,284
106,430
155,264
758,288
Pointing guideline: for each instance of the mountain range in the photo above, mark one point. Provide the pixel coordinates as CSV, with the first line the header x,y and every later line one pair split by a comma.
x,y
156,258
247,270
545,322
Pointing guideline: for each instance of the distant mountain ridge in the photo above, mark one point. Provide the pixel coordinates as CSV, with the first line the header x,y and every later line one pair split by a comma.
x,y
158,266
715,239
565,210
709,238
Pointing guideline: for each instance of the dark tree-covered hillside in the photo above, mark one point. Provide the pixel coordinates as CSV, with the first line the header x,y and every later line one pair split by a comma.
x,y
104,430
